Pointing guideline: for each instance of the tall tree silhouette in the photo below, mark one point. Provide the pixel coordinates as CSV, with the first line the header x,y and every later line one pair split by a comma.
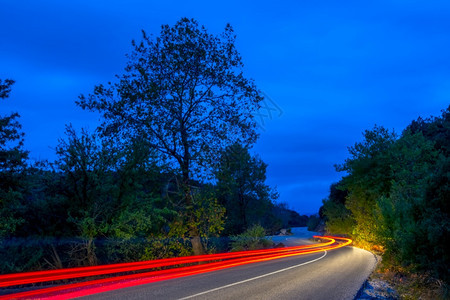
x,y
12,166
184,92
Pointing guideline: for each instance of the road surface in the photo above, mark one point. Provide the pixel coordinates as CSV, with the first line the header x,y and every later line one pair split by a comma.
x,y
335,274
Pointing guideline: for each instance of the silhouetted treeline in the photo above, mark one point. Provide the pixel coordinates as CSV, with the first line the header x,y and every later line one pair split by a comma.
x,y
395,196
167,171
104,201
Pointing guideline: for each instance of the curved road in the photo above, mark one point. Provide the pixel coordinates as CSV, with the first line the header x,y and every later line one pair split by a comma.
x,y
336,274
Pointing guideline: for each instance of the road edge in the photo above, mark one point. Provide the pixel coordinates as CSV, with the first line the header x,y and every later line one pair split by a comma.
x,y
365,283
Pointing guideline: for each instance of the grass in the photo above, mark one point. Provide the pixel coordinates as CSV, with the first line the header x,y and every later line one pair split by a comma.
x,y
410,285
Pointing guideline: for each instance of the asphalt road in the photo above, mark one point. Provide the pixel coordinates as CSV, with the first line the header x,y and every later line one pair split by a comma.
x,y
335,274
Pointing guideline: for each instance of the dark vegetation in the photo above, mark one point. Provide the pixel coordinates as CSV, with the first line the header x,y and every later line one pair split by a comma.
x,y
394,197
168,172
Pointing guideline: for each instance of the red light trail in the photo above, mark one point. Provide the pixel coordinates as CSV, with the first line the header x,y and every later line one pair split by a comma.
x,y
70,273
216,262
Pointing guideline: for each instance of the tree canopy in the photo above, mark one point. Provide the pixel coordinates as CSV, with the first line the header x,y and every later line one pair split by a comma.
x,y
12,165
168,172
242,189
183,91
185,94
396,195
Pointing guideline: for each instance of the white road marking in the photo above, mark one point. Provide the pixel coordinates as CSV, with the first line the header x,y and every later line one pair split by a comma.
x,y
254,278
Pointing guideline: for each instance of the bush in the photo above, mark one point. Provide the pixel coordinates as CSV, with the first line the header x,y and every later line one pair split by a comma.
x,y
251,239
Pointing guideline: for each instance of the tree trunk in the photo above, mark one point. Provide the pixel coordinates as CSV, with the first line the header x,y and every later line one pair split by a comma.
x,y
197,246
194,235
91,257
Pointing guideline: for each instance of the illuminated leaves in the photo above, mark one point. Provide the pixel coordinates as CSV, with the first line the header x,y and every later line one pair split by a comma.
x,y
398,194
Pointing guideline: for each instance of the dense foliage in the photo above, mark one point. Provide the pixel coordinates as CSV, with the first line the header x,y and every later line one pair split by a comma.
x,y
168,173
242,190
12,167
185,95
395,196
252,239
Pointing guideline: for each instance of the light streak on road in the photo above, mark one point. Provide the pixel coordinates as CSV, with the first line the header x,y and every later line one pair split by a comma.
x,y
216,262
70,273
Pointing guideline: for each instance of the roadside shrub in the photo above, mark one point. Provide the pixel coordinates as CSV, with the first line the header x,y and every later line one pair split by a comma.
x,y
252,239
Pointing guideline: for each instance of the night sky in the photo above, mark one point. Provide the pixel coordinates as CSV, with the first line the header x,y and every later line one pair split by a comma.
x,y
330,70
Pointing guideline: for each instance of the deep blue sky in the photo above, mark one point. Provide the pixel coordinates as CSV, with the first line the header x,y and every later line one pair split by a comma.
x,y
335,68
